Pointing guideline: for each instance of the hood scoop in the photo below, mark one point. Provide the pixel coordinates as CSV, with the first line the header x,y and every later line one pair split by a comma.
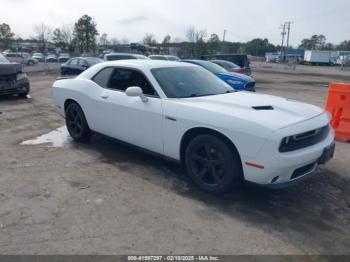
x,y
263,108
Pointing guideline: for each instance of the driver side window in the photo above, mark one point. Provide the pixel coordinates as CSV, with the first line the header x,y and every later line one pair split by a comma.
x,y
123,78
83,63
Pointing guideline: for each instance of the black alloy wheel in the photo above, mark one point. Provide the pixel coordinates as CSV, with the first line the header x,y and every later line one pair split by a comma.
x,y
76,123
212,164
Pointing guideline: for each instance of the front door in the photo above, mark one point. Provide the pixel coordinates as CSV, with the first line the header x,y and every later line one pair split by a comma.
x,y
128,118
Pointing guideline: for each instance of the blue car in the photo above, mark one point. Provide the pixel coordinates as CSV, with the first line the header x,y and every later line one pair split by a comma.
x,y
237,81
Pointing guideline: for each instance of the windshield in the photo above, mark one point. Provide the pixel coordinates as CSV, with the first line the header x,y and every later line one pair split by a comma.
x,y
227,65
3,59
155,57
214,68
173,58
181,82
141,57
118,57
94,60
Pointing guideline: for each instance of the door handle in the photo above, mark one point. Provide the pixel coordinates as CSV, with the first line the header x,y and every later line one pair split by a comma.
x,y
104,96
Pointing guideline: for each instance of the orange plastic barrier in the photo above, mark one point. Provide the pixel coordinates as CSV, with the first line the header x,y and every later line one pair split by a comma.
x,y
338,104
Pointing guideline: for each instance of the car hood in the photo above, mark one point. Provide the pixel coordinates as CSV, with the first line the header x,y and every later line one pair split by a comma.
x,y
266,110
236,76
10,68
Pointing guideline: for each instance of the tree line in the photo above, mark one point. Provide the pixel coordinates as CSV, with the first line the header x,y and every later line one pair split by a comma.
x,y
319,42
80,37
83,36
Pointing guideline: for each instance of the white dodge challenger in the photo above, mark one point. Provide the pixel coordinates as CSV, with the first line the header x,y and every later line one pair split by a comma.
x,y
183,112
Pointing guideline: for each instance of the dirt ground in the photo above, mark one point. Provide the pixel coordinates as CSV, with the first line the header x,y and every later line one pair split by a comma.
x,y
105,198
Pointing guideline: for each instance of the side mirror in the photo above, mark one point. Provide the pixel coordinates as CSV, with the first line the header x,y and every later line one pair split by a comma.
x,y
85,66
136,91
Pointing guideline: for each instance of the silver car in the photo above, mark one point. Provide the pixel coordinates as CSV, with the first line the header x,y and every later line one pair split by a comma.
x,y
39,57
21,58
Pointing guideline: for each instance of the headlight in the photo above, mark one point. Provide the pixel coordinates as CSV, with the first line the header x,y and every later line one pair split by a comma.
x,y
21,76
234,82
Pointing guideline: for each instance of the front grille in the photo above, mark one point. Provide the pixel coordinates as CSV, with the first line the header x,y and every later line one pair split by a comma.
x,y
303,140
5,85
250,86
303,171
11,77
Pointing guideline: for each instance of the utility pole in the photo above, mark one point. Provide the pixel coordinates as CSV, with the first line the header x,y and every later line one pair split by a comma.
x,y
283,27
223,39
287,24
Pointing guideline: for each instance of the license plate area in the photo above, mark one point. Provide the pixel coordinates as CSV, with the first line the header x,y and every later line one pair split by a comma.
x,y
6,85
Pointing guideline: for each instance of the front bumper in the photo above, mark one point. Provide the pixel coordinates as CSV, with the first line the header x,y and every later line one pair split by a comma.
x,y
285,169
15,87
305,172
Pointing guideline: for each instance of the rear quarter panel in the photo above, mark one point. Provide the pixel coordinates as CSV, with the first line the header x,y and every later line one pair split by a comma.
x,y
83,91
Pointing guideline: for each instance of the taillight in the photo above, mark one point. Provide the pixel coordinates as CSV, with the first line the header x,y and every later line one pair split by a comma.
x,y
240,71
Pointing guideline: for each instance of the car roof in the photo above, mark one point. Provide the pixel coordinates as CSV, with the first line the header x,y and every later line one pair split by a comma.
x,y
85,57
135,64
146,63
126,54
222,61
195,61
218,60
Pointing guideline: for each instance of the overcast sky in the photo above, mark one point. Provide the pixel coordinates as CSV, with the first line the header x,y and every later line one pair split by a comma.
x,y
131,19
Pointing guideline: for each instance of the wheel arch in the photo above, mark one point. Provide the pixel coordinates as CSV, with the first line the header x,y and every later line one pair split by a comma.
x,y
69,101
196,131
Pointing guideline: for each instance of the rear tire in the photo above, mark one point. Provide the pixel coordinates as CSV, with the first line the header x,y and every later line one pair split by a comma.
x,y
212,165
76,123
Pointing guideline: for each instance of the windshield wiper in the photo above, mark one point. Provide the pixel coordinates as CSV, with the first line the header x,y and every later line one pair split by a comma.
x,y
200,95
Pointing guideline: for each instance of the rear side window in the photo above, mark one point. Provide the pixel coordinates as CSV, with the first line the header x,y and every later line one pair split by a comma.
x,y
102,78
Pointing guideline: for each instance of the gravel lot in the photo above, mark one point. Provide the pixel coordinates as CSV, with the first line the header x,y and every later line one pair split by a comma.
x,y
105,198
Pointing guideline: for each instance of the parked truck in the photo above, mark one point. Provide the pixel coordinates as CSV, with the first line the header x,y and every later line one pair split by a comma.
x,y
316,57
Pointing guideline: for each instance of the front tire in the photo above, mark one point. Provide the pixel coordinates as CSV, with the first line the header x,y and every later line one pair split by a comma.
x,y
24,94
76,123
212,165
